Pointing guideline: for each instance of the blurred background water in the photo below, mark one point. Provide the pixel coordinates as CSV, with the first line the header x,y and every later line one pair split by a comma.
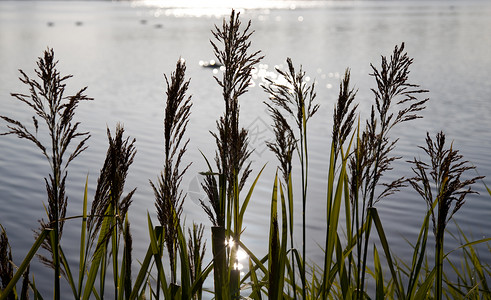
x,y
121,50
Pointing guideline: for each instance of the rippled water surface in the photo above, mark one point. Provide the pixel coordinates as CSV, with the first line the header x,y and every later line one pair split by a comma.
x,y
121,50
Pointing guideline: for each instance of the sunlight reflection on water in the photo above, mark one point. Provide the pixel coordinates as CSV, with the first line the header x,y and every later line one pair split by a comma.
x,y
219,8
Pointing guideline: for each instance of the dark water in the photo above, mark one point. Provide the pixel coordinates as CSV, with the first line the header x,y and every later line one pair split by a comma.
x,y
121,51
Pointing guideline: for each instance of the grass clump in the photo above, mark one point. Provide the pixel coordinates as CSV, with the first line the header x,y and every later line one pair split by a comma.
x,y
360,156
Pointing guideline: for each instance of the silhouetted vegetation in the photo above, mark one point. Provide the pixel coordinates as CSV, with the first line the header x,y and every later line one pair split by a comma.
x,y
361,153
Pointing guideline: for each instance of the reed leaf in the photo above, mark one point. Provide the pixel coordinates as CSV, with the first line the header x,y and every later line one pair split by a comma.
x,y
277,249
36,293
142,275
68,273
155,236
25,264
256,285
248,198
185,265
418,258
83,233
373,214
424,289
97,259
379,276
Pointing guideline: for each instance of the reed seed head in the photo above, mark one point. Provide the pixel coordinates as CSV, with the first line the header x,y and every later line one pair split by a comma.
x,y
111,181
232,50
296,97
441,180
6,268
53,112
284,143
344,113
169,197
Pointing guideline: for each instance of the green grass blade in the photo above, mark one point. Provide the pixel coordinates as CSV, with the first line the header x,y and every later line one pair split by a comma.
x,y
488,189
471,253
185,265
124,282
25,263
424,289
68,273
300,264
102,270
274,247
114,252
156,254
36,294
83,232
469,244
248,197
333,211
142,274
201,278
379,277
341,269
418,257
256,286
385,245
259,262
291,227
98,257
284,240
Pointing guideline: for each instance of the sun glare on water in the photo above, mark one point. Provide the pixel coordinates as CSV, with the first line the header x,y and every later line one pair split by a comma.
x,y
219,8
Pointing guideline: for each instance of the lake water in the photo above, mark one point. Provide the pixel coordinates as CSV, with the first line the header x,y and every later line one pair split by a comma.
x,y
121,50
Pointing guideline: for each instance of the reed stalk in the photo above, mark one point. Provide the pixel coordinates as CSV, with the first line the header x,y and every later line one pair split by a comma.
x,y
295,99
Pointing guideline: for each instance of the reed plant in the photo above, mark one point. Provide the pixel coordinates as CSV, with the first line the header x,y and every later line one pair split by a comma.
x,y
396,102
283,147
232,50
49,103
446,170
108,219
344,116
170,198
293,99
